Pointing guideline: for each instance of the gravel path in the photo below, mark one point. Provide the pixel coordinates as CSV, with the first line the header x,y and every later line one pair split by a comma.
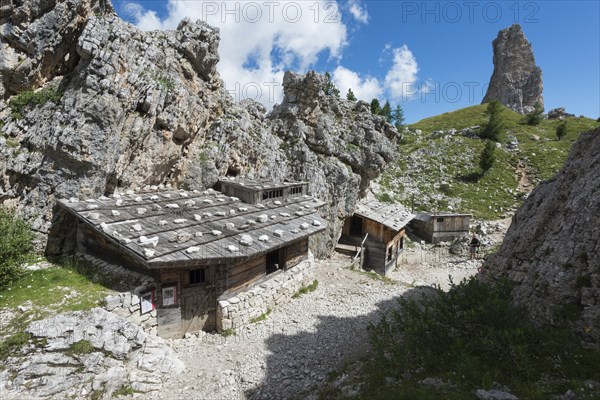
x,y
294,349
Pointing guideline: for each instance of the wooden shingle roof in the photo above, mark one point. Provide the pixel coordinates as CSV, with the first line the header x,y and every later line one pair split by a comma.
x,y
177,228
393,216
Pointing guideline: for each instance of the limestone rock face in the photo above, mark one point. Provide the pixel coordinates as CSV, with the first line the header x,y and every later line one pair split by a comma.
x,y
336,145
117,354
552,249
516,81
132,109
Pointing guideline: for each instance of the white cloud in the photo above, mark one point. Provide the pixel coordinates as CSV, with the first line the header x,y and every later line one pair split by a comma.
x,y
297,31
402,76
358,11
365,89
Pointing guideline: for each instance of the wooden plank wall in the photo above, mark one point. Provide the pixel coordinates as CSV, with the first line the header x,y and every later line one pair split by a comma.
x,y
375,230
375,257
451,224
295,253
246,195
169,322
246,272
423,229
89,241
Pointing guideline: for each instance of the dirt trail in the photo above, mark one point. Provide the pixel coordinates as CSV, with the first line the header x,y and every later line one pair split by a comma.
x,y
290,354
525,176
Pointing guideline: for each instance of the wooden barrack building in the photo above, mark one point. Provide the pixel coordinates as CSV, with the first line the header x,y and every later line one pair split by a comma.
x,y
441,227
380,229
200,246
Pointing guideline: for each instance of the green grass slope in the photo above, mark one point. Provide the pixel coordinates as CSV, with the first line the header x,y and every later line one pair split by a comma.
x,y
439,173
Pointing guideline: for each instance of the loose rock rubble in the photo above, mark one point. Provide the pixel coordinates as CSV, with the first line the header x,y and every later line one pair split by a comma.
x,y
117,354
291,353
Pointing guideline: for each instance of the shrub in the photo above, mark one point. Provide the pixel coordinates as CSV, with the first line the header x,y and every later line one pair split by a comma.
x,y
561,130
487,158
18,102
472,335
13,344
81,347
536,116
14,246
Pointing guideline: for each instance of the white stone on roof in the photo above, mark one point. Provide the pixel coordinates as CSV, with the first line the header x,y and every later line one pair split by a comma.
x,y
393,216
207,233
246,240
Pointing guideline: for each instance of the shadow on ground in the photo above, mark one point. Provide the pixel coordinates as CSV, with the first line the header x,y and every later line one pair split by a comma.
x,y
302,360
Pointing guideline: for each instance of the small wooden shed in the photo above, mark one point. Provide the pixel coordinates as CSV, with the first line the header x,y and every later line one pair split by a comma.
x,y
380,229
441,227
198,246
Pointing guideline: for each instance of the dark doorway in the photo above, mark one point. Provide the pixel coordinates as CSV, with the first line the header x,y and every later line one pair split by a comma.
x,y
356,226
272,262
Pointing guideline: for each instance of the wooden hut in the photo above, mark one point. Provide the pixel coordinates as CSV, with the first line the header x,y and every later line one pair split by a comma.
x,y
378,228
441,227
200,247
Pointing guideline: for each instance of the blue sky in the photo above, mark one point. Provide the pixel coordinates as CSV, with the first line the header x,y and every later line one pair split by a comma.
x,y
430,57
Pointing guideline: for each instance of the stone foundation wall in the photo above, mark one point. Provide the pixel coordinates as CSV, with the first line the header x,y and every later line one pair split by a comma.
x,y
235,311
127,303
127,306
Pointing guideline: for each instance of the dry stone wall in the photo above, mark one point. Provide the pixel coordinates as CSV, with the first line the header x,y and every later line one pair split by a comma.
x,y
233,312
127,303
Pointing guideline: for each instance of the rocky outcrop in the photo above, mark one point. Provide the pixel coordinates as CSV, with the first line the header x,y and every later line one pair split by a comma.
x,y
559,113
88,354
127,109
336,145
516,81
552,249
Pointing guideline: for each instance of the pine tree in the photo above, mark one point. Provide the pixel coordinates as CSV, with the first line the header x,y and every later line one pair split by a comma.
x,y
330,88
398,116
536,116
494,126
487,158
375,107
386,111
561,130
350,95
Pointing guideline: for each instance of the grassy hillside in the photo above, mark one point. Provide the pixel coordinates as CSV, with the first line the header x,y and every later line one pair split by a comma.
x,y
439,172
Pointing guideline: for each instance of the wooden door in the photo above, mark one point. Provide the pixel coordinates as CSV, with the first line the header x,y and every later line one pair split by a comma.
x,y
198,309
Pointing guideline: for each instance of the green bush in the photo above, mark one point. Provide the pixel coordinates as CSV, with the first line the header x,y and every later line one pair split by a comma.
x,y
18,102
14,246
13,344
81,347
471,336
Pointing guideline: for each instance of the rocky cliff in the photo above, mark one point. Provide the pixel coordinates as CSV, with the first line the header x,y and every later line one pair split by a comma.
x,y
516,81
92,105
552,249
